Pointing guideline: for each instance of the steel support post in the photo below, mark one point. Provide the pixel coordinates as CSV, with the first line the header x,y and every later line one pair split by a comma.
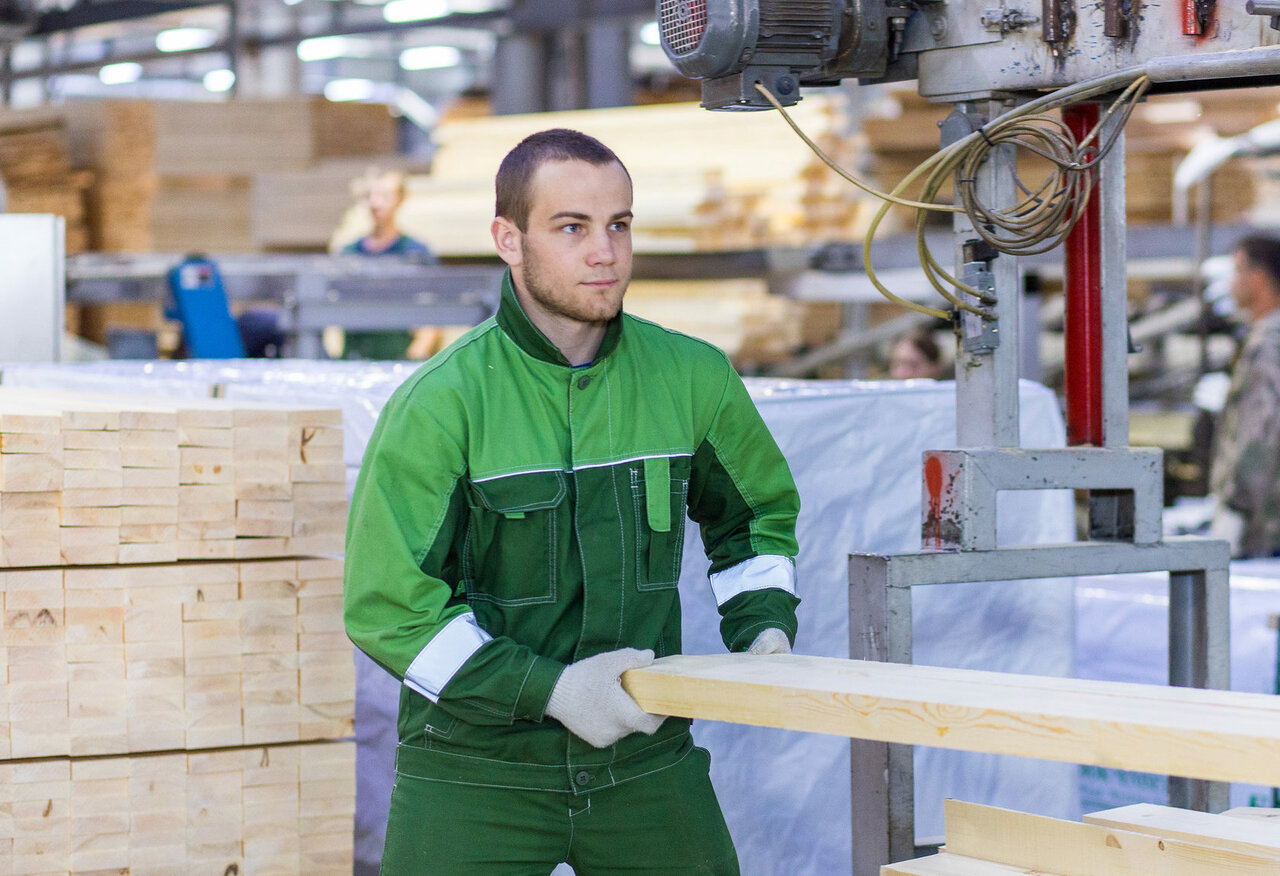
x,y
882,789
988,351
883,776
1199,656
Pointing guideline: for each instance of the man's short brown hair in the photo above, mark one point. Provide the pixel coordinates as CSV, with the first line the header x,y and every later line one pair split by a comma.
x,y
1263,252
514,199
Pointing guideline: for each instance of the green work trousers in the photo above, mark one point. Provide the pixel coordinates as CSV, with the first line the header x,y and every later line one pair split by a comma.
x,y
666,822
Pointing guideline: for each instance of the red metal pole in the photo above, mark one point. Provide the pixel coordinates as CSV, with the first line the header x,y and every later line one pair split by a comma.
x,y
1082,378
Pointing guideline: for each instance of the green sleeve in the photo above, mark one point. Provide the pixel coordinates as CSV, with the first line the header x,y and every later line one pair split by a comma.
x,y
402,566
744,500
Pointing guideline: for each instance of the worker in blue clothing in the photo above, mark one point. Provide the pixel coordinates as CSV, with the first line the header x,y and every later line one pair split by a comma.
x,y
384,193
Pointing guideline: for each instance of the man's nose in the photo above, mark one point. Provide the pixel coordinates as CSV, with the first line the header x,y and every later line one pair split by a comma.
x,y
603,249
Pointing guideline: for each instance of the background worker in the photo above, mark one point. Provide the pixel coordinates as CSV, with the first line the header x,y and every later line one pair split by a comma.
x,y
915,354
383,192
515,541
1245,474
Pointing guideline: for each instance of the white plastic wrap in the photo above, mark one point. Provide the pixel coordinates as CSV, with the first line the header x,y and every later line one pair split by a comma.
x,y
855,451
1122,634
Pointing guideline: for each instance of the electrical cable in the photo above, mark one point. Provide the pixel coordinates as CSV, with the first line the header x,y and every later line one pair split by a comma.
x,y
1044,214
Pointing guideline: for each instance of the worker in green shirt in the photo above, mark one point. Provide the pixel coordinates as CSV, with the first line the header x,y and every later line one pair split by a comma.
x,y
515,542
383,192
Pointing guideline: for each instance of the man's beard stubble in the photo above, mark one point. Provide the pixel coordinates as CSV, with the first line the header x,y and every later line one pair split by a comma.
x,y
542,292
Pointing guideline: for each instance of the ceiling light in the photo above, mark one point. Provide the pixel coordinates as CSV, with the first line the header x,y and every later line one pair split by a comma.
x,y
185,39
323,48
430,57
649,34
414,10
119,74
219,80
348,89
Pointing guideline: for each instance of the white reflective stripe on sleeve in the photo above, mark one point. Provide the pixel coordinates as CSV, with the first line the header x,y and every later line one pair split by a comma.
x,y
444,655
757,573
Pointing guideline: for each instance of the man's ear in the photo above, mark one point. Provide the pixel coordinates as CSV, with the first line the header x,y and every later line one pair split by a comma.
x,y
506,239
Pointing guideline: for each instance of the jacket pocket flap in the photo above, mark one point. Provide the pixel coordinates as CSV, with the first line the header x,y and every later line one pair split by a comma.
x,y
532,491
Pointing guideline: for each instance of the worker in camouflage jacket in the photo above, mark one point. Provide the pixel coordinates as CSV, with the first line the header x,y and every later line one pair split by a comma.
x,y
1245,476
515,543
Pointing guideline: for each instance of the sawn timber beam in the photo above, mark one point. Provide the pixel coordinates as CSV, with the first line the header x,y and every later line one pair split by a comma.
x,y
1200,734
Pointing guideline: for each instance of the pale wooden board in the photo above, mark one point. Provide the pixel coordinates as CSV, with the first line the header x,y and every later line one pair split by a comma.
x,y
945,864
1255,813
1073,849
1218,735
1255,836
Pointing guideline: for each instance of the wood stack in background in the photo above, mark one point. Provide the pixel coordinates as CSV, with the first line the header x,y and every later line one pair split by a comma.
x,y
1139,839
903,132
703,181
162,716
35,165
170,176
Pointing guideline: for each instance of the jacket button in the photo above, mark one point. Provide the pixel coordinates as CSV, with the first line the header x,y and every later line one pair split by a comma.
x,y
583,381
582,777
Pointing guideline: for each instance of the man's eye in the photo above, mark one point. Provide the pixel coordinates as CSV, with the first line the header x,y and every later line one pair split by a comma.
x,y
572,228
620,226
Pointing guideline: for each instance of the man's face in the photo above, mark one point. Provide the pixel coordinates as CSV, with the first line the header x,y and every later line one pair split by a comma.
x,y
574,258
383,199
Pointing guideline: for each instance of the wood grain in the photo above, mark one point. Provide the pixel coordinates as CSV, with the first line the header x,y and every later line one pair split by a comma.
x,y
1217,735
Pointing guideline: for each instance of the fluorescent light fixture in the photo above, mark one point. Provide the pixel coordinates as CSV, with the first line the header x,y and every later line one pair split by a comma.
x,y
120,74
649,34
430,57
324,48
185,39
414,10
339,90
219,80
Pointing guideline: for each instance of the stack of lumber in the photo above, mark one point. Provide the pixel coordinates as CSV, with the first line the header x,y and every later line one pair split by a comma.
x,y
703,181
170,176
36,168
93,480
159,716
160,657
738,316
274,809
1158,136
1141,839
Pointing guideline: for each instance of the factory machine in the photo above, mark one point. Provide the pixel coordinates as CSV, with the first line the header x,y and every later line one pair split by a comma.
x,y
1005,65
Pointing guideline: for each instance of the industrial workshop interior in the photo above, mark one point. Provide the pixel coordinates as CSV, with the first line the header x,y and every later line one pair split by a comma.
x,y
429,429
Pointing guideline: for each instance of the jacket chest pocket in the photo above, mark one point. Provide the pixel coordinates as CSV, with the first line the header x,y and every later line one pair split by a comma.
x,y
514,542
659,493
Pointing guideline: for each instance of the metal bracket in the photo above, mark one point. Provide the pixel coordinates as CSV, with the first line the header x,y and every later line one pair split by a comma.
x,y
1002,21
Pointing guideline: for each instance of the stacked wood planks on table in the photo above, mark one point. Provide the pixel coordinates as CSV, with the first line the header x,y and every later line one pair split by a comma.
x,y
1131,841
131,480
35,165
176,676
703,181
173,176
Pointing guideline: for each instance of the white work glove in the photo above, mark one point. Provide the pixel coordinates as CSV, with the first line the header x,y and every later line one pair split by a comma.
x,y
770,641
1229,526
589,700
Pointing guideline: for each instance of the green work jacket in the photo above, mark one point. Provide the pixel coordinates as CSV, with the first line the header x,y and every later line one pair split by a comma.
x,y
515,514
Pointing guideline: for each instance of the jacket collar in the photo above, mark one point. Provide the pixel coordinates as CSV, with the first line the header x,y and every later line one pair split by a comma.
x,y
528,337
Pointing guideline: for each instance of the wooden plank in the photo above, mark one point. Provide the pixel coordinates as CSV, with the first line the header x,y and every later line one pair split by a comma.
x,y
1258,836
1256,813
956,865
1217,735
1072,849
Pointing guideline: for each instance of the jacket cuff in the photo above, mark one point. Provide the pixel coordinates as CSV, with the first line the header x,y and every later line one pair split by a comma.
x,y
745,615
543,674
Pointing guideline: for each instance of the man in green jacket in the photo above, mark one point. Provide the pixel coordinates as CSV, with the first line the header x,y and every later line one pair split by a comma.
x,y
515,542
